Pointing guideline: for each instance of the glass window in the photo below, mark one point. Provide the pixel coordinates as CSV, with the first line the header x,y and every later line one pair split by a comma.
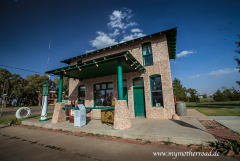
x,y
109,97
103,86
137,82
156,83
100,97
82,88
157,99
104,95
156,91
124,83
110,85
147,54
148,60
147,49
97,86
81,95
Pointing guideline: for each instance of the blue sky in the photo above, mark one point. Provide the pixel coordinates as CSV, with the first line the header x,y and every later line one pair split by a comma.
x,y
207,31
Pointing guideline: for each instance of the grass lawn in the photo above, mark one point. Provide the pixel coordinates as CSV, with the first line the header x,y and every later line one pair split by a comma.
x,y
216,108
217,112
214,104
9,119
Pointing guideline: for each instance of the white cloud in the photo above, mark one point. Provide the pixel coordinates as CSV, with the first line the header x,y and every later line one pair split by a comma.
x,y
195,76
117,18
116,32
226,71
103,40
88,51
185,53
132,36
136,30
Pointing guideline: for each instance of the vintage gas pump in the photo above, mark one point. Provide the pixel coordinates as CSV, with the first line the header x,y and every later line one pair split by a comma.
x,y
44,103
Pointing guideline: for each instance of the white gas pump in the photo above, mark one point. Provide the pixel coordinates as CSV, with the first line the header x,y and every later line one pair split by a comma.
x,y
44,103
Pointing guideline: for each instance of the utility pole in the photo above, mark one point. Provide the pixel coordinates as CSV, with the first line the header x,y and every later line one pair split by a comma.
x,y
48,54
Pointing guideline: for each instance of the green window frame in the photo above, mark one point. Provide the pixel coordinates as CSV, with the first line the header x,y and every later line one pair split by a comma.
x,y
156,91
81,94
147,54
103,94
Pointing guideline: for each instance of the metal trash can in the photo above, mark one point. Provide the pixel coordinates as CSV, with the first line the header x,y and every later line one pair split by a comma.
x,y
79,115
181,109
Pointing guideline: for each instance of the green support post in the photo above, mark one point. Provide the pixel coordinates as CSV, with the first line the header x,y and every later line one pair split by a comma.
x,y
120,80
60,88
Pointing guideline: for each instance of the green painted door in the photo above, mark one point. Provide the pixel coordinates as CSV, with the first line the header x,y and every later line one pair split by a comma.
x,y
125,95
139,103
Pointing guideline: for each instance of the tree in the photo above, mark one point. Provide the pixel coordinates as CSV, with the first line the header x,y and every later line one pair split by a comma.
x,y
218,96
193,95
236,58
5,77
179,91
34,87
17,87
65,85
205,95
226,94
235,95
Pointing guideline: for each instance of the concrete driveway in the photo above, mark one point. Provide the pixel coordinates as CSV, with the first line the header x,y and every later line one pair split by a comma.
x,y
231,122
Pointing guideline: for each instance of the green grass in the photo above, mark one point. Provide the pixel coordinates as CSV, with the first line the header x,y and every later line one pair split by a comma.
x,y
9,119
147,142
216,108
214,104
218,112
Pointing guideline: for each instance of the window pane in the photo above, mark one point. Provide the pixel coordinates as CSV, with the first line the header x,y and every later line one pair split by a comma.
x,y
147,49
157,99
100,97
110,85
144,51
124,83
97,87
82,88
82,95
103,86
137,82
109,98
156,83
148,60
81,101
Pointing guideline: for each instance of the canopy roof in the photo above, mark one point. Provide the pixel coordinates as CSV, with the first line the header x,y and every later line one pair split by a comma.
x,y
100,67
171,41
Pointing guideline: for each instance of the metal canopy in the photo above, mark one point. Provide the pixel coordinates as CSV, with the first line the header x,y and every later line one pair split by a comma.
x,y
171,41
100,67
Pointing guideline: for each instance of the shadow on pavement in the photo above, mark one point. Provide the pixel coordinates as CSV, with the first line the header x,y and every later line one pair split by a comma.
x,y
4,126
182,123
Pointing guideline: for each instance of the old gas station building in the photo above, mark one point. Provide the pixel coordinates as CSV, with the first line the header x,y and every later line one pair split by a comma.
x,y
133,77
